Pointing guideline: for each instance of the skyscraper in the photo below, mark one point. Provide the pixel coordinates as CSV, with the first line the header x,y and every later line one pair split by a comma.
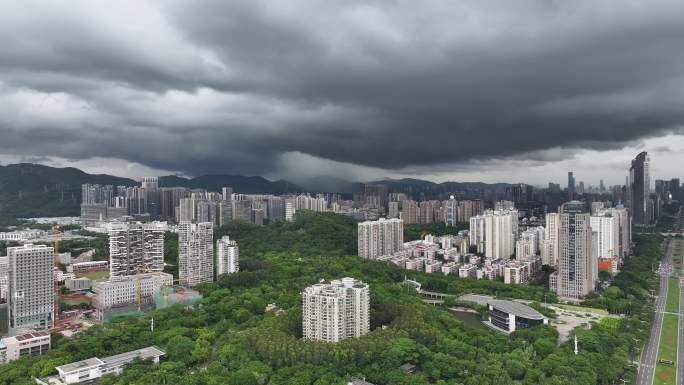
x,y
135,247
227,256
577,267
380,238
640,186
195,253
31,298
571,186
335,311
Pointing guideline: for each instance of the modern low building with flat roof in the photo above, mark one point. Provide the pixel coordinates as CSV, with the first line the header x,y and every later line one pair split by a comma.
x,y
93,368
12,348
508,316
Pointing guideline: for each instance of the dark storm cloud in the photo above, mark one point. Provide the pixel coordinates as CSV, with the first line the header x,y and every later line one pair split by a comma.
x,y
231,86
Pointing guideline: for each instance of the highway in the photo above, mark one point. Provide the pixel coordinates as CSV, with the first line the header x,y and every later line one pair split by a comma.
x,y
650,352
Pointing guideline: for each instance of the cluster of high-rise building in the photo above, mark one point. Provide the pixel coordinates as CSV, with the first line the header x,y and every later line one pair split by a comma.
x,y
449,211
578,243
101,203
380,238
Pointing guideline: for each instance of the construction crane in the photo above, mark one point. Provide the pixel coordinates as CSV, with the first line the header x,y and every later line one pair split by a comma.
x,y
55,245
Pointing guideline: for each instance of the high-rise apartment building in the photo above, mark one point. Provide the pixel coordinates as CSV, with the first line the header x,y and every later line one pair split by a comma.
x,y
136,247
577,266
529,243
195,253
571,186
623,239
410,212
607,229
393,210
640,187
227,256
335,311
380,238
31,300
227,193
426,212
495,232
150,183
376,195
551,240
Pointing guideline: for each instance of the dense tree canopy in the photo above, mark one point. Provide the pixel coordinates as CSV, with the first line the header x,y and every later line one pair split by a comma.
x,y
229,338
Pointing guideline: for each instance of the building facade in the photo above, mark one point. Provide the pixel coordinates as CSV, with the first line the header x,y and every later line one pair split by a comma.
x,y
227,256
577,266
31,297
640,186
31,344
335,311
495,233
136,247
195,253
380,238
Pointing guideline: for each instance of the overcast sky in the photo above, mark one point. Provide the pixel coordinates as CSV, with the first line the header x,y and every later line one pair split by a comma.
x,y
470,90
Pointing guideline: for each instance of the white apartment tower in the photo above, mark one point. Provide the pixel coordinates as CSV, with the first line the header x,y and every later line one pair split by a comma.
x,y
550,244
380,238
31,298
195,253
136,247
607,229
577,266
495,233
227,256
335,311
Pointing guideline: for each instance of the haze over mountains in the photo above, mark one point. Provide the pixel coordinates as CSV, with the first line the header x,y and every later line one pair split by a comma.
x,y
28,189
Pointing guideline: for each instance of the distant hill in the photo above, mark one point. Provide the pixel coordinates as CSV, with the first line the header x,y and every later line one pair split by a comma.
x,y
239,183
418,188
30,190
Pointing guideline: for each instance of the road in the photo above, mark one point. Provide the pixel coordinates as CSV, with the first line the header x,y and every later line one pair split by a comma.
x,y
650,352
680,345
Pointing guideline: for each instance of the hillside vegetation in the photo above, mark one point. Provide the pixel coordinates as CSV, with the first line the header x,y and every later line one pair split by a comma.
x,y
230,339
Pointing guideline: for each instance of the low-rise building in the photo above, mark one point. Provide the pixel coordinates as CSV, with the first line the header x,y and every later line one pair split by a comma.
x,y
31,344
508,316
85,267
78,284
91,369
121,291
467,271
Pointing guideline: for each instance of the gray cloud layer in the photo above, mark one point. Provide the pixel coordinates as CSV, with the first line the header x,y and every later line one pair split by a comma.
x,y
231,86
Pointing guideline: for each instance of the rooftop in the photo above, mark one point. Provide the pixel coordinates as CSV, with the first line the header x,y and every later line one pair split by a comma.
x,y
516,308
143,354
74,366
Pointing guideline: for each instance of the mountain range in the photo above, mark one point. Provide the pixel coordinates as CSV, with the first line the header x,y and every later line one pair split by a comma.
x,y
31,190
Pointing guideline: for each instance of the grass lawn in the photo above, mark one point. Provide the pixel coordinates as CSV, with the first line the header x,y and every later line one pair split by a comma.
x,y
666,374
94,275
602,312
672,304
72,301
